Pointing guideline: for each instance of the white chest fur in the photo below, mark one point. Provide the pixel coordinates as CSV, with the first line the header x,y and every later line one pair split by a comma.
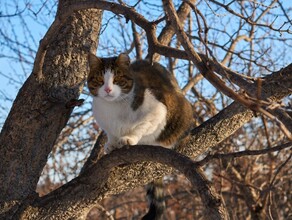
x,y
125,126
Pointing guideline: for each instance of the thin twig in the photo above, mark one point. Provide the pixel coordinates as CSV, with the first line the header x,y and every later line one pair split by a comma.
x,y
243,153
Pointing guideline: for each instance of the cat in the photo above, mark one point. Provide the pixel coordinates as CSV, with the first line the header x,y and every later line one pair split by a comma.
x,y
137,103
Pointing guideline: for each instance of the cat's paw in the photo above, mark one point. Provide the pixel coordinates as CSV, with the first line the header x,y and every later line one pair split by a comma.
x,y
108,148
128,140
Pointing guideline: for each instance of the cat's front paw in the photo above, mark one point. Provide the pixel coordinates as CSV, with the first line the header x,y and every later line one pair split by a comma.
x,y
108,148
128,140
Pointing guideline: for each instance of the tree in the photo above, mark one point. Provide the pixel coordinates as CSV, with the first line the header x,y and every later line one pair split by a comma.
x,y
45,102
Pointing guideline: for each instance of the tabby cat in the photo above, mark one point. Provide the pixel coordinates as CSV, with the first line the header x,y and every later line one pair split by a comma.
x,y
137,103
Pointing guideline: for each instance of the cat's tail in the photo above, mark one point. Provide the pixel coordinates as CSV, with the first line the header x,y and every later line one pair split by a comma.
x,y
155,196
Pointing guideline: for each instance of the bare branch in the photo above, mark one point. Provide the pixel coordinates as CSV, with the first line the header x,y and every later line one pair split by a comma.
x,y
137,42
207,70
243,153
250,21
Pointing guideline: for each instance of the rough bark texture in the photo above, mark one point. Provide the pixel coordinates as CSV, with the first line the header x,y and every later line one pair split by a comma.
x,y
39,111
80,194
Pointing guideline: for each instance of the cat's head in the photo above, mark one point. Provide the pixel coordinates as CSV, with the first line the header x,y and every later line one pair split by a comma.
x,y
109,78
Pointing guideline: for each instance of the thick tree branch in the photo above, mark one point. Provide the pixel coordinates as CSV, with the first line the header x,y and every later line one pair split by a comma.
x,y
90,183
34,121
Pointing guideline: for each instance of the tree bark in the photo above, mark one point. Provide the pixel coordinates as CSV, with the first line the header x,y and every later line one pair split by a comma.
x,y
39,111
80,194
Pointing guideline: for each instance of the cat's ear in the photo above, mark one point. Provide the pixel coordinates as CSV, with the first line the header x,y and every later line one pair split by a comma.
x,y
123,60
94,61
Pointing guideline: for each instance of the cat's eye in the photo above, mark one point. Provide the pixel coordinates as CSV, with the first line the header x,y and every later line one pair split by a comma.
x,y
117,79
100,80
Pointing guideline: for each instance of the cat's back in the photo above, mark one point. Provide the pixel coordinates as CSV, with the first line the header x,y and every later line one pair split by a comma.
x,y
153,76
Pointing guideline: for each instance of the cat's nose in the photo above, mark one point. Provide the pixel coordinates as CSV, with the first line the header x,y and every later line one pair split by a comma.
x,y
107,89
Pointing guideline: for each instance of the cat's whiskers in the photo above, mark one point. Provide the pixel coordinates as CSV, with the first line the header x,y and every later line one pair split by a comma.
x,y
127,98
126,101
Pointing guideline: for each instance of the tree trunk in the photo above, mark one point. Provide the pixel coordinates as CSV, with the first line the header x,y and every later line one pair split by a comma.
x,y
39,111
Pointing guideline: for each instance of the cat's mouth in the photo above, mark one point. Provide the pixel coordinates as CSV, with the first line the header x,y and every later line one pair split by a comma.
x,y
109,97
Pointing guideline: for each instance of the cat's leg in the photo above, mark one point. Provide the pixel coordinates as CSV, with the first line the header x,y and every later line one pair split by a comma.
x,y
150,123
131,139
143,129
108,148
111,144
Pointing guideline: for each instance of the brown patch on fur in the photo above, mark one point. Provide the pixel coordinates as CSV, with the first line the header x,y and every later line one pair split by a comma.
x,y
164,87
